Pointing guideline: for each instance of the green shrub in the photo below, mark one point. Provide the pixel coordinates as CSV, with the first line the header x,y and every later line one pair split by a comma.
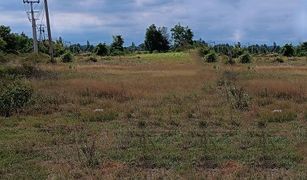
x,y
246,58
13,96
211,57
67,57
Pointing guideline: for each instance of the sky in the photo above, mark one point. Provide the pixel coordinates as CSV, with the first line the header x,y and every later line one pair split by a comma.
x,y
220,21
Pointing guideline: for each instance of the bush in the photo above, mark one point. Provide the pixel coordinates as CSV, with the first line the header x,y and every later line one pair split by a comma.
x,y
92,59
211,57
203,51
13,96
67,57
246,58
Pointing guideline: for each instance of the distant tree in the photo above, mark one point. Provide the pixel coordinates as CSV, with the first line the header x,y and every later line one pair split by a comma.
x,y
132,48
156,39
75,48
89,47
288,50
118,43
182,36
102,50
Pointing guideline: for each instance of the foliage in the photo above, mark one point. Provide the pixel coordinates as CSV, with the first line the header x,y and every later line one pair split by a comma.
x,y
203,51
156,39
182,36
102,50
13,96
246,58
67,57
13,43
288,50
211,57
117,44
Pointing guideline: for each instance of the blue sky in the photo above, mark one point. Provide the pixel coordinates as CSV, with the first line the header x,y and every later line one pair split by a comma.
x,y
248,21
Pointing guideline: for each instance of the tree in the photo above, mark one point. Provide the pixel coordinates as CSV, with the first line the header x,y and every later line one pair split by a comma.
x,y
156,39
117,44
288,50
102,50
182,36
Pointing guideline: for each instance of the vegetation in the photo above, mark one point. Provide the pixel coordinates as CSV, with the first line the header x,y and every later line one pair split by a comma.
x,y
156,39
67,57
154,115
246,58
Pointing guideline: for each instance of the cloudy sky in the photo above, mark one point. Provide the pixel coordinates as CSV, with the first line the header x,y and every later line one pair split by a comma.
x,y
248,21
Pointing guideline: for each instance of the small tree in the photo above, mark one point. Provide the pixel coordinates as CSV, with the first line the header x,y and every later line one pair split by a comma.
x,y
246,58
117,44
102,49
288,50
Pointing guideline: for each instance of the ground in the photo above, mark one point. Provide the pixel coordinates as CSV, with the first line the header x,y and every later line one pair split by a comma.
x,y
160,116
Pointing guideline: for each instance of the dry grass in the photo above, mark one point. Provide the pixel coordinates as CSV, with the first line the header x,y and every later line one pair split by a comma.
x,y
163,116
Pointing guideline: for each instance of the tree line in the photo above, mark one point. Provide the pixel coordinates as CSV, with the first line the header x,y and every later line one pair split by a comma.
x,y
157,39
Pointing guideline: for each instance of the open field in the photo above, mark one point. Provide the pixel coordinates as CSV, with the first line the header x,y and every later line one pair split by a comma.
x,y
160,116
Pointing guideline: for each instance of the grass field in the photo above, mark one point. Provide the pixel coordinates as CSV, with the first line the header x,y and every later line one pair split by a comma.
x,y
160,116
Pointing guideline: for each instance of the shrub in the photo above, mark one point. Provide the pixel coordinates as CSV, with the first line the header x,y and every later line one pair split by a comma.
x,y
246,58
13,96
92,59
211,57
67,57
203,51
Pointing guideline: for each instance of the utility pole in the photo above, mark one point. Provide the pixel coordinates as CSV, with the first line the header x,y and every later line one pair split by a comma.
x,y
49,32
33,20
